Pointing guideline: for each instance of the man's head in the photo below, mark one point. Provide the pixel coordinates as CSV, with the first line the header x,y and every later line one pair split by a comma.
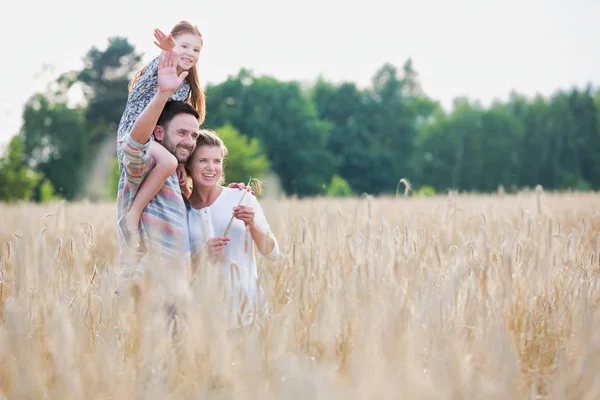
x,y
177,129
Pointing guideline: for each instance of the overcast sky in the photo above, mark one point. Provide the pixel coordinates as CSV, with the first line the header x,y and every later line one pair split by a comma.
x,y
481,49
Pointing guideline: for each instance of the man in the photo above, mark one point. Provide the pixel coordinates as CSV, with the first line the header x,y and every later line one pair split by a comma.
x,y
175,125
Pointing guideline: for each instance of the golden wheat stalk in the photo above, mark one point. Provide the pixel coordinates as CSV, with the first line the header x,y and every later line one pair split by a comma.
x,y
253,184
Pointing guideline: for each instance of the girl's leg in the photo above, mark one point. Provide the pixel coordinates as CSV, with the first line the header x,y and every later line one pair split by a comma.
x,y
165,166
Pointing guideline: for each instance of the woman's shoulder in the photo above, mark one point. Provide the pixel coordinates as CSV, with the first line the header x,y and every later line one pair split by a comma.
x,y
230,193
235,194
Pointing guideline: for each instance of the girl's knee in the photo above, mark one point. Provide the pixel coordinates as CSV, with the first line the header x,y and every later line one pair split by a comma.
x,y
167,164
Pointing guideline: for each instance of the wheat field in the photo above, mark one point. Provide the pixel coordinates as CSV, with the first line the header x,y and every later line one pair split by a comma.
x,y
449,297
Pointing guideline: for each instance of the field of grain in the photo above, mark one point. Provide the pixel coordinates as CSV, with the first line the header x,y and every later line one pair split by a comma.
x,y
450,297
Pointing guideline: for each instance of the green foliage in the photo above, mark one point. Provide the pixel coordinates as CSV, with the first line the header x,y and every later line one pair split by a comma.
x,y
425,191
17,181
246,158
338,187
105,80
113,180
47,192
285,121
332,139
55,143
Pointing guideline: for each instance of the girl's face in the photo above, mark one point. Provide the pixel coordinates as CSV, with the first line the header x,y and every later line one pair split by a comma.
x,y
206,166
188,46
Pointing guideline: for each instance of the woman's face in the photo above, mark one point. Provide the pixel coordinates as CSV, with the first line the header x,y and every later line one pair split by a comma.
x,y
206,166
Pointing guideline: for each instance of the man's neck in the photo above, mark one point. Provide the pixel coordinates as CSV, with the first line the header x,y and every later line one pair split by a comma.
x,y
204,197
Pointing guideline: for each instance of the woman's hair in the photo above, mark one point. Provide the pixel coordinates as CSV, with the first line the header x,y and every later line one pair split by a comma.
x,y
196,97
206,137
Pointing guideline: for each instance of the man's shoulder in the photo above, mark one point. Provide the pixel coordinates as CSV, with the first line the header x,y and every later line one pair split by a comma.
x,y
132,148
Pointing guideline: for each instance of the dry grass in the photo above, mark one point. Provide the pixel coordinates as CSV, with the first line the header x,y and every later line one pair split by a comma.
x,y
459,297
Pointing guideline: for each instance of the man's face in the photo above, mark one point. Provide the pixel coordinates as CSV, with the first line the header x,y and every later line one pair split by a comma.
x,y
180,136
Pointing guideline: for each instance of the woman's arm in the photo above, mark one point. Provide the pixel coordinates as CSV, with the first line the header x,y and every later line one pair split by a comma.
x,y
265,241
256,223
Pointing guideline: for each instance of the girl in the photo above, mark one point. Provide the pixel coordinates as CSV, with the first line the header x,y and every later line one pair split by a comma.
x,y
187,41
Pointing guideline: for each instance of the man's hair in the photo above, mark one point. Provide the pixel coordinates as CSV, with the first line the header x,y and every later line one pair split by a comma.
x,y
173,108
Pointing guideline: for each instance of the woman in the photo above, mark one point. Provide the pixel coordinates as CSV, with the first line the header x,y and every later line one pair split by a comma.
x,y
210,210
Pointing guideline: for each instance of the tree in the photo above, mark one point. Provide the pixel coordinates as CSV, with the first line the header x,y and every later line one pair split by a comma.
x,y
286,123
55,143
105,80
246,158
17,181
343,108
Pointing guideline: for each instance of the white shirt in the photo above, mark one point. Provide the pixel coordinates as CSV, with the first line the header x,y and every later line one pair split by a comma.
x,y
239,266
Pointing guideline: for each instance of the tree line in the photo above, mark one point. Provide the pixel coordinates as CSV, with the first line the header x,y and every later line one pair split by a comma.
x,y
319,139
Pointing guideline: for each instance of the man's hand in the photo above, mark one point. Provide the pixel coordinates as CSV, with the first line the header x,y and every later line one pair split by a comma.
x,y
181,174
182,177
168,81
163,41
239,185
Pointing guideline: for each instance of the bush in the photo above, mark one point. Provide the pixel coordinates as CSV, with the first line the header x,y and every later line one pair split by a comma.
x,y
425,191
338,187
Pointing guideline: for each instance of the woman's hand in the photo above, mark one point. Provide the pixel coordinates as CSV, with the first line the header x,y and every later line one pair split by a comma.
x,y
216,245
244,213
163,41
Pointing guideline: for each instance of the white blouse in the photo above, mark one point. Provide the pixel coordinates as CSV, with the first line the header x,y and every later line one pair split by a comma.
x,y
239,265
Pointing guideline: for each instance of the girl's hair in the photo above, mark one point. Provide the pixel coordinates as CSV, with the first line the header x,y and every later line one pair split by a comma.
x,y
206,137
196,97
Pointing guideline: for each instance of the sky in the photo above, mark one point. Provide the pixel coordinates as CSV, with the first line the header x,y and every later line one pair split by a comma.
x,y
474,48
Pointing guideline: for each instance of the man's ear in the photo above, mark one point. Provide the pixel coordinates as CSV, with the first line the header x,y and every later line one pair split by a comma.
x,y
159,133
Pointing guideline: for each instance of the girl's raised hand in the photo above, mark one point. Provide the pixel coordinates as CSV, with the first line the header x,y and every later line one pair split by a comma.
x,y
163,41
168,81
